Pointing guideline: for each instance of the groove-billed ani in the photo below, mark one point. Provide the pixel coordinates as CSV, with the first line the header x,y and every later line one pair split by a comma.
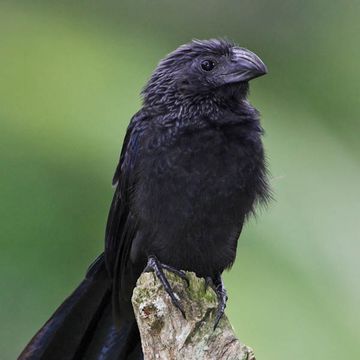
x,y
191,170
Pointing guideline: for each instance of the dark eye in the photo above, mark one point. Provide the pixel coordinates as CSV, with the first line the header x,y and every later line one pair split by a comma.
x,y
207,65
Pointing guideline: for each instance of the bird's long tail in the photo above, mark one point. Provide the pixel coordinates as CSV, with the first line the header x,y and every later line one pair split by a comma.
x,y
82,327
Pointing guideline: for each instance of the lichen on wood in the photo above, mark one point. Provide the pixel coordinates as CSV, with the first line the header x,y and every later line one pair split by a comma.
x,y
166,335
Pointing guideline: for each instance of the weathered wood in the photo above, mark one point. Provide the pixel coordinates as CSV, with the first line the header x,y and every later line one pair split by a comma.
x,y
166,335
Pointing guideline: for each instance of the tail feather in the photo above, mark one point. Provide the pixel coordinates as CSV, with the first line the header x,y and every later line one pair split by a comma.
x,y
110,342
82,327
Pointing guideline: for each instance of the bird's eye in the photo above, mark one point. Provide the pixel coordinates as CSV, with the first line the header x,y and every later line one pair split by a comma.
x,y
207,65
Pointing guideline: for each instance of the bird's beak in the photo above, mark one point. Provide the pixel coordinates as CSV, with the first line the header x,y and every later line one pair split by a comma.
x,y
245,66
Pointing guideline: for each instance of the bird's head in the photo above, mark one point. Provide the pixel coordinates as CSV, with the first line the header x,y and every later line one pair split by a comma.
x,y
202,69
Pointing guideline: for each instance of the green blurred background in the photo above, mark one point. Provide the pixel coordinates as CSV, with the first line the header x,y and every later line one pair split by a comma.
x,y
70,75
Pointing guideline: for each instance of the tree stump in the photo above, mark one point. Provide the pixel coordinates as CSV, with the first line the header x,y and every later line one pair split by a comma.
x,y
166,335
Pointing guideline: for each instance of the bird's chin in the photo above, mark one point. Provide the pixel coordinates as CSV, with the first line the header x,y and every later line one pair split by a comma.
x,y
234,89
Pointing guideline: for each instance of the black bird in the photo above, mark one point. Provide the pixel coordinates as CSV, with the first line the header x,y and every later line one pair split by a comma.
x,y
191,170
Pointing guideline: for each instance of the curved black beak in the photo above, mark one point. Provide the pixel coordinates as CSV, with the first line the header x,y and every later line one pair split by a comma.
x,y
245,66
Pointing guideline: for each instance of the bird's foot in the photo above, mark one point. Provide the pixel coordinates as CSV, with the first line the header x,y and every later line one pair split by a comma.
x,y
179,273
157,267
218,286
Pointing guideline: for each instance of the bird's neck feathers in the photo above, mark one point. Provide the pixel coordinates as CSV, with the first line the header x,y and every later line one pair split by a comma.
x,y
222,107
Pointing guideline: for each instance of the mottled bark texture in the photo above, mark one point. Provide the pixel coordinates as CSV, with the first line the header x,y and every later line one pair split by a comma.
x,y
166,335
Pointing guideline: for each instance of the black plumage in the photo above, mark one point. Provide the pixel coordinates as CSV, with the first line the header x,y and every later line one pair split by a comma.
x,y
191,170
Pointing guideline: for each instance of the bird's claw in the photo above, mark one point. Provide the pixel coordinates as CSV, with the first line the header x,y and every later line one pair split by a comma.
x,y
222,298
209,282
179,273
218,286
157,267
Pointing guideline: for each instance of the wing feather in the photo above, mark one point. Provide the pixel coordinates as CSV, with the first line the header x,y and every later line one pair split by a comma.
x,y
121,225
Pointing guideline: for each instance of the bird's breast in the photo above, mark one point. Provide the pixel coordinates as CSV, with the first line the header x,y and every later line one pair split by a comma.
x,y
197,170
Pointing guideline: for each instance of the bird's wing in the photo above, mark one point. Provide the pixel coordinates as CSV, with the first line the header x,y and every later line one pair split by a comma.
x,y
121,224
